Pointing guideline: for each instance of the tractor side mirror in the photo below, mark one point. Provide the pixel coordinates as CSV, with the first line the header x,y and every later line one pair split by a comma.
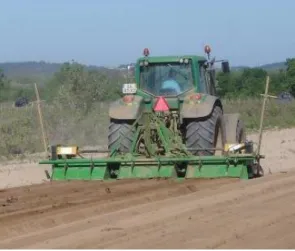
x,y
225,67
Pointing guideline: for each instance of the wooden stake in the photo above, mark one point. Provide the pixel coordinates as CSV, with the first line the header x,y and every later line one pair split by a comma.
x,y
41,119
265,96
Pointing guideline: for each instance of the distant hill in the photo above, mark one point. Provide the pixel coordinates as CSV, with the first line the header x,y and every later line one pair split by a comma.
x,y
26,72
274,66
33,68
42,70
267,67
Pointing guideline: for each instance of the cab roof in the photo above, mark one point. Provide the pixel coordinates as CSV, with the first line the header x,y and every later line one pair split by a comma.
x,y
164,59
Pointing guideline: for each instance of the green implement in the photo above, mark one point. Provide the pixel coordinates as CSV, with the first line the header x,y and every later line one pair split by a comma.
x,y
235,166
169,124
171,160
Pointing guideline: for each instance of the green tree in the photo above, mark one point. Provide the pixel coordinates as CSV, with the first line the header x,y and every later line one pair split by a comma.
x,y
290,74
5,87
227,84
248,82
77,86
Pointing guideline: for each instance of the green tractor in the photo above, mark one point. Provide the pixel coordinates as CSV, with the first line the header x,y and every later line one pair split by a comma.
x,y
169,124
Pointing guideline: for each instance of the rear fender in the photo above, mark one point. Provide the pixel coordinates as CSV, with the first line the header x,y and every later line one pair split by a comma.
x,y
121,110
199,108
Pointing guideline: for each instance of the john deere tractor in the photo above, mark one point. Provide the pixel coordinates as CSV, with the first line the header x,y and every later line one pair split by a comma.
x,y
169,123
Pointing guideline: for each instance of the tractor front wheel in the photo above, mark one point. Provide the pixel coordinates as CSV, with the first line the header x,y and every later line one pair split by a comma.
x,y
204,134
121,135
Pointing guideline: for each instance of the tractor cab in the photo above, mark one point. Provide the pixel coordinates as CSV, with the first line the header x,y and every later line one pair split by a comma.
x,y
163,77
176,79
173,76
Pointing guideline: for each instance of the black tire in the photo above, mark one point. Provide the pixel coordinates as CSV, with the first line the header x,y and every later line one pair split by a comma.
x,y
206,133
235,129
120,130
241,133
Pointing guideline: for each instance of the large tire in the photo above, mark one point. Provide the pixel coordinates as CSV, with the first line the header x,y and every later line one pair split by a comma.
x,y
241,133
235,129
120,130
206,133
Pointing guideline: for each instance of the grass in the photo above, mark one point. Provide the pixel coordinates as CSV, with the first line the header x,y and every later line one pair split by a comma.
x,y
20,130
277,115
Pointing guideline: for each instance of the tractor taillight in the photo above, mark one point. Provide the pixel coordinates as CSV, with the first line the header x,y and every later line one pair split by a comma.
x,y
207,49
196,96
161,105
146,52
128,98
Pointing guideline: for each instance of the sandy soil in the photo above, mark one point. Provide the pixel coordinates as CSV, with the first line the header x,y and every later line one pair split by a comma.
x,y
279,148
154,213
22,174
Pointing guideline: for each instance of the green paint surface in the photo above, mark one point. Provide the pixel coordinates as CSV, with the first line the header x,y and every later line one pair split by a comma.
x,y
100,169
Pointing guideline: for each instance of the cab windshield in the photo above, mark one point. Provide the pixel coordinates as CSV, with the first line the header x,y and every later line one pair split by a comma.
x,y
166,79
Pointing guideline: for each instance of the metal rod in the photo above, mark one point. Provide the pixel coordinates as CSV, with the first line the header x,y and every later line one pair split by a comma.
x,y
189,149
205,149
95,151
212,159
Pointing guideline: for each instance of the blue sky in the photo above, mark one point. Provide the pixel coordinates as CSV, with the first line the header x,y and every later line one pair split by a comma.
x,y
110,32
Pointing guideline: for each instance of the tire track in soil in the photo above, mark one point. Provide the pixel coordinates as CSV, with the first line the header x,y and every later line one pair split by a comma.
x,y
152,214
54,204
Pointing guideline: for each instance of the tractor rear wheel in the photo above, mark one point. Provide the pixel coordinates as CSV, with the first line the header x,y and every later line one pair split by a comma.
x,y
206,133
121,134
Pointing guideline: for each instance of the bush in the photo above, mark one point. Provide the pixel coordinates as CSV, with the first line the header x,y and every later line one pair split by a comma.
x,y
20,130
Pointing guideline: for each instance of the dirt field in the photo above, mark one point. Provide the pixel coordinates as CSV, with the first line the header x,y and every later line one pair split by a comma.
x,y
154,214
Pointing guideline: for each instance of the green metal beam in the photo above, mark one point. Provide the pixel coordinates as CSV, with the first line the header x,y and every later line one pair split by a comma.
x,y
118,159
162,167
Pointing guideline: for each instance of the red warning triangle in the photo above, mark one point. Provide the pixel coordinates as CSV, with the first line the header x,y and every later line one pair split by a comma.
x,y
161,105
